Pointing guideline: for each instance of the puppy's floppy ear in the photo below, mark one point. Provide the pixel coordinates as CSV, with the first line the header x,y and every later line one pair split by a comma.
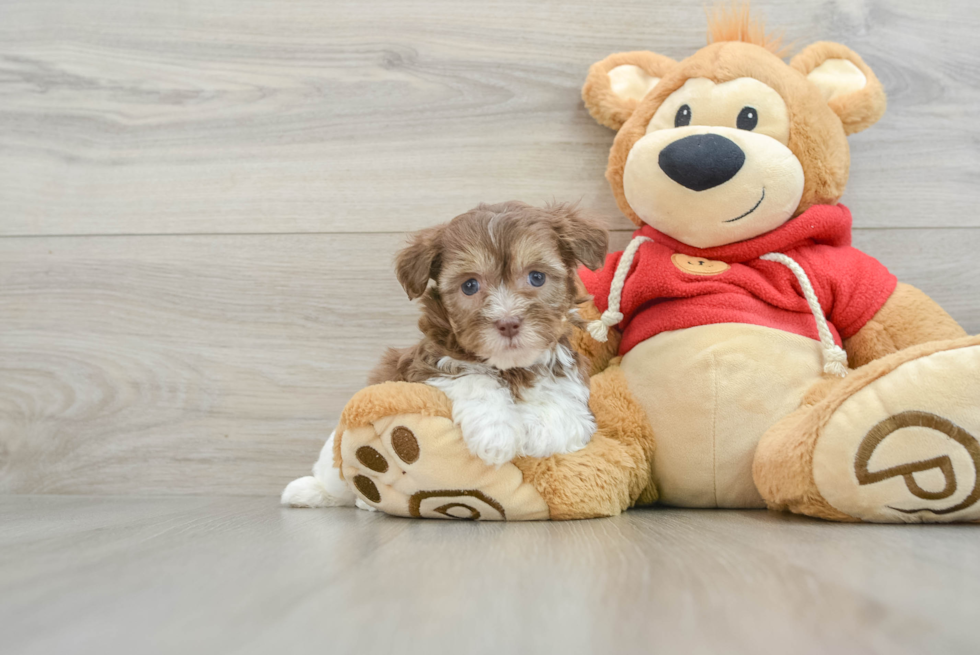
x,y
615,85
583,237
849,86
419,262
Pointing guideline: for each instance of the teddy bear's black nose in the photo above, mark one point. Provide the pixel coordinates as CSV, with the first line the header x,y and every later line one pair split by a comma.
x,y
701,161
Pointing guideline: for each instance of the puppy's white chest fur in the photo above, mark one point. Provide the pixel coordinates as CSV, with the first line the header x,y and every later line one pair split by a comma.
x,y
552,415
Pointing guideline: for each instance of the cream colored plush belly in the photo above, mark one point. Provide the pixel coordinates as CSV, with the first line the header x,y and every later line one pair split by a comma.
x,y
710,393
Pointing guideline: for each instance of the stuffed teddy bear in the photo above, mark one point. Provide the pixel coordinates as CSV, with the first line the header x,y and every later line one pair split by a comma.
x,y
744,353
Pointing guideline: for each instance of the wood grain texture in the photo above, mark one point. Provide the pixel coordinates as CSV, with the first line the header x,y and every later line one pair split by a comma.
x,y
304,116
199,201
219,364
242,576
187,363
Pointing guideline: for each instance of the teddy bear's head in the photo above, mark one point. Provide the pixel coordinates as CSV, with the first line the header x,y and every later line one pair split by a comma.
x,y
731,142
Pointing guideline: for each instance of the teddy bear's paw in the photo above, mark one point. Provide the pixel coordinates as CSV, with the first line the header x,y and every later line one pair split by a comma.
x,y
419,466
905,447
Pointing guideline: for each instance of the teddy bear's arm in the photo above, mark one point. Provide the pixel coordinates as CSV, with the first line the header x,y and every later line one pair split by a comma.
x,y
599,353
908,318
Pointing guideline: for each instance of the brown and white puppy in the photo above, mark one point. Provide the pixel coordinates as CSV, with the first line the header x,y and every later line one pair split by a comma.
x,y
495,327
496,323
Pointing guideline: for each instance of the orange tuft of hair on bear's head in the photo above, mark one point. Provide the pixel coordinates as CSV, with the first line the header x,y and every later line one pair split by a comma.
x,y
735,23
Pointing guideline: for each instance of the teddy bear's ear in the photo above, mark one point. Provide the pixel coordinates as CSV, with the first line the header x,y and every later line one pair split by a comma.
x,y
848,85
616,84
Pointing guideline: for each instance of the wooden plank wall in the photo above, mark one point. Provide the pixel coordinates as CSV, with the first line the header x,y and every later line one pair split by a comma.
x,y
199,201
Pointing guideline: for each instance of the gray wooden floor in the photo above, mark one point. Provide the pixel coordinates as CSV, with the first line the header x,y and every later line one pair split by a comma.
x,y
199,203
238,575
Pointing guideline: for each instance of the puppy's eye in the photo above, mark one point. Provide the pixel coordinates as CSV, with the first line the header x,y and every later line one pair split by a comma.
x,y
683,116
536,278
471,286
748,118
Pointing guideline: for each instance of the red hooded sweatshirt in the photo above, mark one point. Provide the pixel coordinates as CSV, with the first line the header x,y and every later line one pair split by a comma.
x,y
662,292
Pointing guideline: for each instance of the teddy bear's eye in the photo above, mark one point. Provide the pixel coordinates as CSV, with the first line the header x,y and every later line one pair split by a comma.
x,y
683,116
748,118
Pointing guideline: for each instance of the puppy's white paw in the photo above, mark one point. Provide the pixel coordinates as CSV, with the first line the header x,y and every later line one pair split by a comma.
x,y
360,504
324,488
310,492
494,444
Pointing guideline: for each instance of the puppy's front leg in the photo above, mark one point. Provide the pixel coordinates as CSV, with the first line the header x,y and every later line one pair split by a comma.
x,y
486,414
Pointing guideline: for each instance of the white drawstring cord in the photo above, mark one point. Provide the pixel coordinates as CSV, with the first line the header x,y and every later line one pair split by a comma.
x,y
834,357
599,328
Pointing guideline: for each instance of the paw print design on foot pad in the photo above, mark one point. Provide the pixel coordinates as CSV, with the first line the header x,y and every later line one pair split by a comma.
x,y
905,448
418,466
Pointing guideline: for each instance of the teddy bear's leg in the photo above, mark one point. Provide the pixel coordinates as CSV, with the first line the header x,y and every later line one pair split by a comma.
x,y
897,440
613,472
401,453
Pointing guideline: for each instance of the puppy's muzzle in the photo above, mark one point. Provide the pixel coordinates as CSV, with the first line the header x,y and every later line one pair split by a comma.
x,y
702,161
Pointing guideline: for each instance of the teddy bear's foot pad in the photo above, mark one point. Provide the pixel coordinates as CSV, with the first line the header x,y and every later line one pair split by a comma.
x,y
906,447
418,466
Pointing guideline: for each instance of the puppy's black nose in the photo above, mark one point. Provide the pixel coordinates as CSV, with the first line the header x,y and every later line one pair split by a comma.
x,y
508,327
701,161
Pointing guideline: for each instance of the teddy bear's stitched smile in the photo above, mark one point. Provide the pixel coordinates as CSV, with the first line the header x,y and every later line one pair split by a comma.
x,y
738,218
